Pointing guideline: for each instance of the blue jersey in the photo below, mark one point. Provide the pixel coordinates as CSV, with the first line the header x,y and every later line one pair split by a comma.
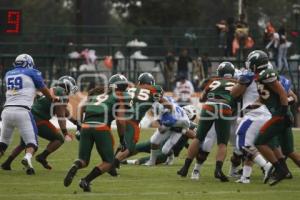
x,y
21,85
178,118
286,83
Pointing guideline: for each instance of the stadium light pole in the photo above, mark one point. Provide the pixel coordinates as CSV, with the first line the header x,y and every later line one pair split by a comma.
x,y
240,7
296,13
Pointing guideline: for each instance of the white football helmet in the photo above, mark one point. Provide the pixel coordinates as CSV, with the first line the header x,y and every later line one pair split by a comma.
x,y
191,112
24,60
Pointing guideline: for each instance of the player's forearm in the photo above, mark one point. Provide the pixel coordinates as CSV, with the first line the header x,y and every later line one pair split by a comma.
x,y
121,125
238,90
166,104
63,126
60,111
190,134
46,92
120,120
292,97
277,87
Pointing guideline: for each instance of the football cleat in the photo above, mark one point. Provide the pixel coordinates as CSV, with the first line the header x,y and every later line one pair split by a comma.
x,y
170,160
5,167
183,172
149,163
70,175
234,172
195,174
86,186
244,180
113,172
277,176
43,162
289,175
221,176
28,166
267,174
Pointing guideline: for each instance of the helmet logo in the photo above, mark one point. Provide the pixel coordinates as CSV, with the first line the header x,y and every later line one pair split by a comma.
x,y
254,55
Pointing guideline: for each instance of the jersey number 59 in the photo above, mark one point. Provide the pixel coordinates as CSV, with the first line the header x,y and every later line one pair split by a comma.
x,y
14,83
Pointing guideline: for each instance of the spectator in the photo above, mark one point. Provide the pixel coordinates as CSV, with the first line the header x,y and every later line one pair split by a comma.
x,y
282,50
183,91
229,36
206,65
241,35
222,29
268,33
182,64
169,69
273,46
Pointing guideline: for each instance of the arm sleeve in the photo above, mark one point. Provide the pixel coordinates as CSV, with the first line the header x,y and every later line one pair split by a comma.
x,y
37,79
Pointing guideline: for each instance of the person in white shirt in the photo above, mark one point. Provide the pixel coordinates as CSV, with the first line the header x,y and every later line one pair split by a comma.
x,y
183,91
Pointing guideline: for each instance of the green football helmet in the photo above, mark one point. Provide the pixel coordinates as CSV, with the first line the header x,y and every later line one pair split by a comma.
x,y
118,82
257,61
226,69
68,83
146,78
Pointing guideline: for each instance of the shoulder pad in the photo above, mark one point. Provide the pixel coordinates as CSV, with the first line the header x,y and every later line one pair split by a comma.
x,y
206,82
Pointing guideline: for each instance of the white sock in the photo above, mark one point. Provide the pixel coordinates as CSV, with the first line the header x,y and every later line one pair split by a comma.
x,y
153,155
259,159
197,166
247,170
132,162
28,156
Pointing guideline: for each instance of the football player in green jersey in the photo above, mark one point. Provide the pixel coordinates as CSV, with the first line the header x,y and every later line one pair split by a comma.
x,y
273,95
143,95
100,111
43,110
217,110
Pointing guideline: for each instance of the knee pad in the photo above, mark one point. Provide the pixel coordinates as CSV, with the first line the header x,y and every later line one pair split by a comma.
x,y
35,147
3,148
202,156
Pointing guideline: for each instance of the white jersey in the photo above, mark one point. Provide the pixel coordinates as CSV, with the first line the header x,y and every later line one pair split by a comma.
x,y
250,95
177,119
21,85
184,90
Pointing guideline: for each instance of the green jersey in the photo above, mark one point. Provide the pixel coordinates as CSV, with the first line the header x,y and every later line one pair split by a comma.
x,y
267,96
143,96
42,106
219,89
102,108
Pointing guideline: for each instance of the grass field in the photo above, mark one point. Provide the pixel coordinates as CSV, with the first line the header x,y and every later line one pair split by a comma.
x,y
137,182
